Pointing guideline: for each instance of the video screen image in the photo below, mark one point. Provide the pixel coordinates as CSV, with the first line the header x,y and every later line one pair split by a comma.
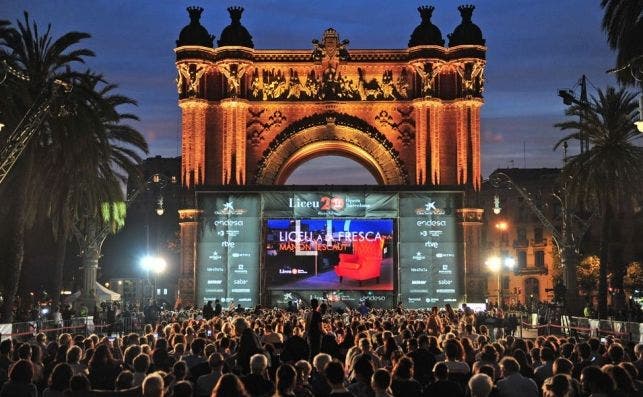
x,y
329,254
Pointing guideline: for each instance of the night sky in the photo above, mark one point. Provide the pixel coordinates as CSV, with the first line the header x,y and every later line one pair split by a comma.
x,y
534,49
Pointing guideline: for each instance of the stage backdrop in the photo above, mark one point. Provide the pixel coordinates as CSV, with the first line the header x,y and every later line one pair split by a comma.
x,y
414,235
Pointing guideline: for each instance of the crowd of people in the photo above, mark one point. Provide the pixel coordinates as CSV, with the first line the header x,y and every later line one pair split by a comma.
x,y
319,352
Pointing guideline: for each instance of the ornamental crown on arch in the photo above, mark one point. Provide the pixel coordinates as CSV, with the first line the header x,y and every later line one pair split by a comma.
x,y
426,69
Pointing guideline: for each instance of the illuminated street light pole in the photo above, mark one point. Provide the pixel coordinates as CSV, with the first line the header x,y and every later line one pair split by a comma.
x,y
156,265
496,265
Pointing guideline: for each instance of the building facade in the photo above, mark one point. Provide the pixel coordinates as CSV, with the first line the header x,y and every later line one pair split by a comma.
x,y
513,230
250,117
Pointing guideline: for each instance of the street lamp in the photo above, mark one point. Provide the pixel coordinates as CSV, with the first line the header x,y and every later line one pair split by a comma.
x,y
496,264
156,265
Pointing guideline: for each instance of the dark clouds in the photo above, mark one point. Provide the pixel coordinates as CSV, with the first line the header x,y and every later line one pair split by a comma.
x,y
534,48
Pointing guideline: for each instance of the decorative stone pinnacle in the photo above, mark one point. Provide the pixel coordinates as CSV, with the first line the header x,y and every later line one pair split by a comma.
x,y
426,12
466,11
195,13
235,13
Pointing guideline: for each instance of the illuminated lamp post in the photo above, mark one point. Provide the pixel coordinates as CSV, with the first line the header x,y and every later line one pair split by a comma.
x,y
496,264
156,265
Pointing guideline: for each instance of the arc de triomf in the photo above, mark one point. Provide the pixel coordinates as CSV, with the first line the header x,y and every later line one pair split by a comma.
x,y
410,116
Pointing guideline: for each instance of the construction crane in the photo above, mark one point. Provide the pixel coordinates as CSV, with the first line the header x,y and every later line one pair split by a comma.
x,y
12,147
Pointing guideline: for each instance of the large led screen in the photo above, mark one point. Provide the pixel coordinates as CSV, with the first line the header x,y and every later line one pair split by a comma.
x,y
329,254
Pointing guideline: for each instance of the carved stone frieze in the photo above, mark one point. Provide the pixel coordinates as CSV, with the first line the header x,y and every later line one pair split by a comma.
x,y
233,73
405,126
256,127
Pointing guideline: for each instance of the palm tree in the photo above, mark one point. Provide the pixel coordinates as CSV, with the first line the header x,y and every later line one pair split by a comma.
x,y
43,60
92,156
607,177
623,23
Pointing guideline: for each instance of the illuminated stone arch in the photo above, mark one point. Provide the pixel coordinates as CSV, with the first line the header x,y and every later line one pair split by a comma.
x,y
330,134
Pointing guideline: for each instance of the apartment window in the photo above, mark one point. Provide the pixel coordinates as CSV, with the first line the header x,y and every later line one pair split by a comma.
x,y
505,282
521,233
538,234
522,259
540,258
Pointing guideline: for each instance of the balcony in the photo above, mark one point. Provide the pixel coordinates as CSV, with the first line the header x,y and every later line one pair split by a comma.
x,y
521,243
531,271
539,243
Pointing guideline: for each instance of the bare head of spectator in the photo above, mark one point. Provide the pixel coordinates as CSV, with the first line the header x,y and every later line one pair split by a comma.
x,y
21,371
182,389
557,386
320,361
153,385
441,371
286,380
403,369
622,379
141,363
215,362
73,355
380,381
79,384
487,370
480,385
124,380
60,377
595,381
229,385
562,366
630,368
180,370
334,373
509,366
363,369
638,351
303,369
584,350
24,351
258,364
615,353
453,350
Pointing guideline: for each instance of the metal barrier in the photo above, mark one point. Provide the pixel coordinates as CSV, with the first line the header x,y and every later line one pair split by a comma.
x,y
585,328
77,325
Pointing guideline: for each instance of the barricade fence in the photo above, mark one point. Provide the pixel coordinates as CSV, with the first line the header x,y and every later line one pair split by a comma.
x,y
583,327
77,325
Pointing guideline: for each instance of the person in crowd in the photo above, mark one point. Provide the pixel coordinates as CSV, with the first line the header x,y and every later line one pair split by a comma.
x,y
380,383
303,388
141,365
442,386
480,385
286,380
314,328
596,383
208,310
79,386
154,385
334,374
205,383
513,384
124,380
20,381
403,383
74,354
103,368
318,383
249,344
257,383
229,385
545,370
58,381
362,371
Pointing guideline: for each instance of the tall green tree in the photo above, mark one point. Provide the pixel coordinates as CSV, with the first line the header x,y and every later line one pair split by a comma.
x,y
607,177
623,23
43,60
93,153
83,151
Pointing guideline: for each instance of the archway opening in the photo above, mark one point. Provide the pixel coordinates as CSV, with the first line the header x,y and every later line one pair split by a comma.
x,y
337,170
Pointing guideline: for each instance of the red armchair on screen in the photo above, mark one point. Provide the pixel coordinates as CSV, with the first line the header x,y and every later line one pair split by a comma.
x,y
364,263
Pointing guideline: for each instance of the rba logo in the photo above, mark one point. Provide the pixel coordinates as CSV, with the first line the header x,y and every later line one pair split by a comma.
x,y
325,203
418,256
228,209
